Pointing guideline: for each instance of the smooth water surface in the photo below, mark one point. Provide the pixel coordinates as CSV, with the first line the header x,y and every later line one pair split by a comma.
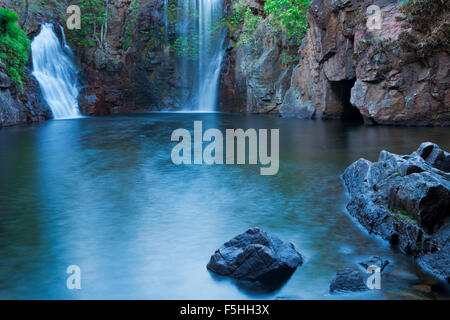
x,y
103,194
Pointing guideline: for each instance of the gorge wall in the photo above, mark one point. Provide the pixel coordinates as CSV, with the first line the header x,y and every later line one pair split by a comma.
x,y
25,105
400,73
257,69
133,69
340,70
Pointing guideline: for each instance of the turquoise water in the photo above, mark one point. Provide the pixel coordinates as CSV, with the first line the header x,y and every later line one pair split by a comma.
x,y
103,194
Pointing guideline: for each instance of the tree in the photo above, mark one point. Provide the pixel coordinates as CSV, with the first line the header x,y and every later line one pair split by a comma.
x,y
291,15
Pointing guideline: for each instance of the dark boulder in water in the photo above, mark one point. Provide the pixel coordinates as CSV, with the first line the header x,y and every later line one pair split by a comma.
x,y
256,256
375,261
406,200
348,280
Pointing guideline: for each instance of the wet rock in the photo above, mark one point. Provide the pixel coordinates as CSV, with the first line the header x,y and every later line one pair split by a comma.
x,y
256,256
375,261
254,79
434,156
347,280
5,81
21,106
405,199
384,80
438,261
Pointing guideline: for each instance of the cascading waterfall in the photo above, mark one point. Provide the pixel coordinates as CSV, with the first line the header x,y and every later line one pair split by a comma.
x,y
200,31
210,52
56,73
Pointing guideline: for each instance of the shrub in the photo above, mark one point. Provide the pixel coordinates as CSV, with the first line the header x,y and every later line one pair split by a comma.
x,y
290,15
14,45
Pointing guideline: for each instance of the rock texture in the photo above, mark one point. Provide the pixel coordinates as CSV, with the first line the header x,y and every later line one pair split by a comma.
x,y
347,280
254,78
256,256
106,78
347,70
25,106
136,70
406,200
375,261
21,106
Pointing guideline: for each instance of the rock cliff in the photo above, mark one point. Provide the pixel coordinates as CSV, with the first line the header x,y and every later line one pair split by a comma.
x,y
398,74
255,76
19,106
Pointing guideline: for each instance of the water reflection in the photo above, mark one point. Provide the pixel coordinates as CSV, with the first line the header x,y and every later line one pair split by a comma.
x,y
104,194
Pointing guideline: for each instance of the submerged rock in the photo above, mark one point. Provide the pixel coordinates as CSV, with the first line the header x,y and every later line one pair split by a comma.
x,y
256,256
406,199
347,280
375,261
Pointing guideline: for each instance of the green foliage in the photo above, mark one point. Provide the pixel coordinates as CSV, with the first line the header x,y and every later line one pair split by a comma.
x,y
130,26
172,9
14,45
238,15
93,16
186,47
290,15
405,214
287,15
288,59
251,21
429,20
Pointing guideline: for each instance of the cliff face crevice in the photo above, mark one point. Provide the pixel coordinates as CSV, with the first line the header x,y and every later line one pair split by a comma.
x,y
395,84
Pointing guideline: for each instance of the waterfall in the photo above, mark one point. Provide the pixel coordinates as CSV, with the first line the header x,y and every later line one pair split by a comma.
x,y
200,35
56,73
211,52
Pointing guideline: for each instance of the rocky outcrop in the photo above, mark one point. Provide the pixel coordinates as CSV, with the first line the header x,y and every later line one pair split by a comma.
x,y
376,261
254,77
406,200
33,13
349,71
256,256
347,280
105,80
136,70
19,106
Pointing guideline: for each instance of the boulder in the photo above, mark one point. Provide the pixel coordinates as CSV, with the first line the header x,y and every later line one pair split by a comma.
x,y
375,261
347,280
256,256
405,199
